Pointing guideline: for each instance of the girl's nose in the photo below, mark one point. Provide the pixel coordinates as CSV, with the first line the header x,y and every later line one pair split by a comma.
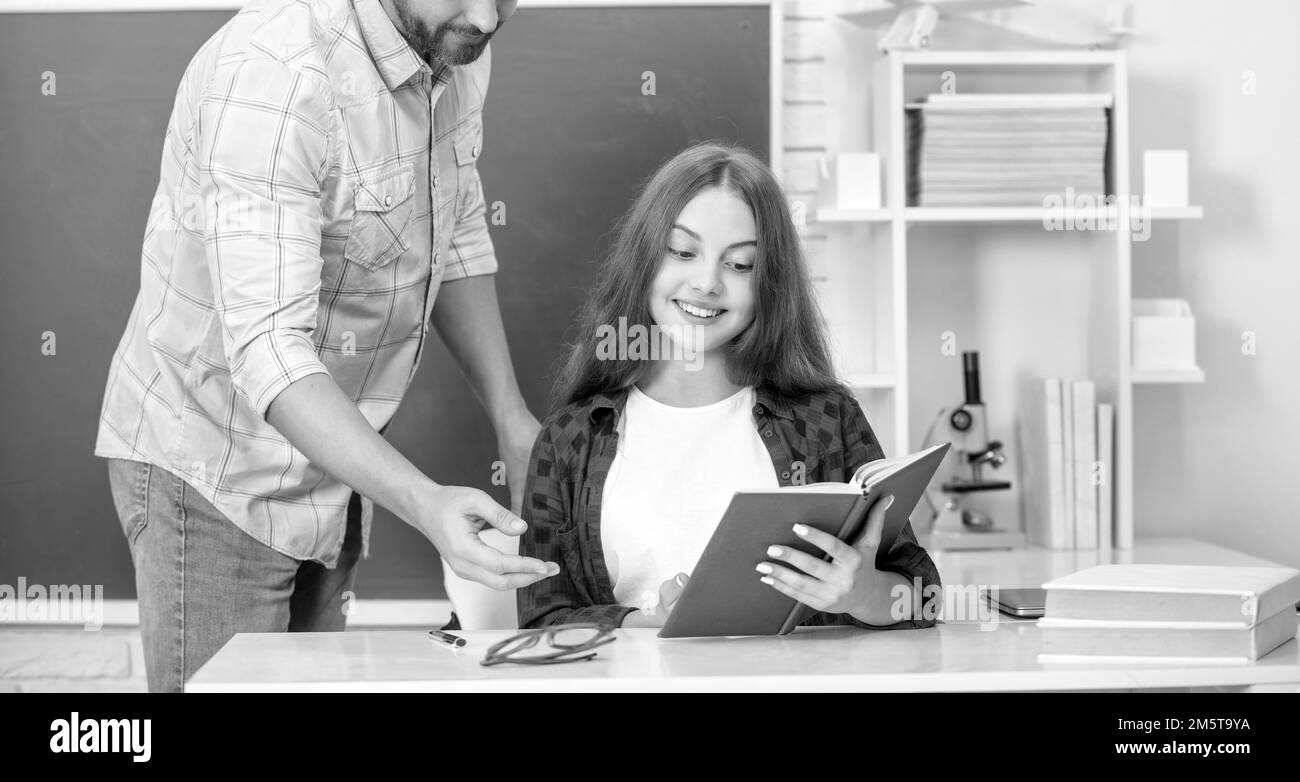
x,y
707,279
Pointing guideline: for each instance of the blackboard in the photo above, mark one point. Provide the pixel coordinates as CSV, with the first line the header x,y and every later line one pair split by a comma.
x,y
569,136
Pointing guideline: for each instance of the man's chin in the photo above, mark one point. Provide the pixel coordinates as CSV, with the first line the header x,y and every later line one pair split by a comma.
x,y
460,55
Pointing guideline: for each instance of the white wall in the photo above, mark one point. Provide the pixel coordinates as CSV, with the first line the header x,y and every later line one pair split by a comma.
x,y
1221,461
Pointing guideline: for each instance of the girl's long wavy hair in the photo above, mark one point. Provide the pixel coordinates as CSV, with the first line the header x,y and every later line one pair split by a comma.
x,y
783,350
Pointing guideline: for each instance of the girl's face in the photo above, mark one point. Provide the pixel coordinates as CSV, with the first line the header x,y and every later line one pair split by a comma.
x,y
705,282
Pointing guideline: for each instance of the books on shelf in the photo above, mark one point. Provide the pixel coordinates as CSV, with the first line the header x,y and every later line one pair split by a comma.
x,y
1067,465
1106,491
1043,464
1170,612
1086,465
1006,149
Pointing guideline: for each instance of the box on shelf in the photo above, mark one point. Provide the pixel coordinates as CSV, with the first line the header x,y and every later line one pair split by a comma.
x,y
851,181
1164,177
1164,334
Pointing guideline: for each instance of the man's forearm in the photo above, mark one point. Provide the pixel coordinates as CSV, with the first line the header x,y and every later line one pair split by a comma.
x,y
468,318
317,418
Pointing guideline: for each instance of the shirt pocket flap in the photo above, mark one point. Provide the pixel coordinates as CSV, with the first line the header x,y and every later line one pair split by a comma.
x,y
469,143
386,190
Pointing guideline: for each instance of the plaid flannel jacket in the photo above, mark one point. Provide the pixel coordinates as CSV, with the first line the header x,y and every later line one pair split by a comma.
x,y
825,431
319,183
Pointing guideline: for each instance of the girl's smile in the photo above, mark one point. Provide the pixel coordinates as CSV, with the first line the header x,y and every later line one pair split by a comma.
x,y
706,275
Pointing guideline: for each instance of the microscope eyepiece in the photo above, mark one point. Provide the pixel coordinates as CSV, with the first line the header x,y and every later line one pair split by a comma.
x,y
970,364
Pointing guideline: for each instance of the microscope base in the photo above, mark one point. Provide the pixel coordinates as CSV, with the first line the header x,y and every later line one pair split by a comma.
x,y
948,540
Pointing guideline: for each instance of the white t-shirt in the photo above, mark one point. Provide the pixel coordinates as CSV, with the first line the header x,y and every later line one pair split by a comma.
x,y
671,480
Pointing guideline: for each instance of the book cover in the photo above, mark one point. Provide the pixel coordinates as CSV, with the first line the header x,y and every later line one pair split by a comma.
x,y
724,595
1085,459
1067,456
1106,491
1043,464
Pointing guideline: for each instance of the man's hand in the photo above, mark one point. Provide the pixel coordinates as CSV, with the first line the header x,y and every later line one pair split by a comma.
x,y
452,516
657,615
516,434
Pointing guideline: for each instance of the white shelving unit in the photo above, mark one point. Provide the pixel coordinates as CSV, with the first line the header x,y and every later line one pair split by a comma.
x,y
996,214
886,248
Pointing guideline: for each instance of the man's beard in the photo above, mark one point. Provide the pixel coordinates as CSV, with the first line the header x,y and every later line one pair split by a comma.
x,y
433,46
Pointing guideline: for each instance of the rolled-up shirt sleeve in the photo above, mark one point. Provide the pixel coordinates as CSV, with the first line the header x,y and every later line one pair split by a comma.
x,y
472,253
262,149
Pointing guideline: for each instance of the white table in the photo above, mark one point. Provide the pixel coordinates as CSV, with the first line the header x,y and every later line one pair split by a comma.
x,y
970,654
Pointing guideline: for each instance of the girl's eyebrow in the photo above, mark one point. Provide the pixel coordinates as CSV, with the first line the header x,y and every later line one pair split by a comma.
x,y
696,236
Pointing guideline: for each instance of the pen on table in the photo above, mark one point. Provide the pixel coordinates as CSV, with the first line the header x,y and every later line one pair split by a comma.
x,y
447,638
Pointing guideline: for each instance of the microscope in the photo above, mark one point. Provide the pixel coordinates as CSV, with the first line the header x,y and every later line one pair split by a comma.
x,y
952,525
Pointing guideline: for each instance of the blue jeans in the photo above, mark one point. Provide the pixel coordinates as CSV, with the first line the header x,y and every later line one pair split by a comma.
x,y
199,579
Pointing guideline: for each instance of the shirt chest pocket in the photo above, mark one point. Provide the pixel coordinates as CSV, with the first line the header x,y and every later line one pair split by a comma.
x,y
381,222
467,146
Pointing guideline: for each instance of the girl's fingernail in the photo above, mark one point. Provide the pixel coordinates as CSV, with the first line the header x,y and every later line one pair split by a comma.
x,y
763,567
800,530
774,551
890,502
767,580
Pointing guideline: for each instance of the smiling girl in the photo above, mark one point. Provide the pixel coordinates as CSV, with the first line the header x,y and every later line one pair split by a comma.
x,y
630,477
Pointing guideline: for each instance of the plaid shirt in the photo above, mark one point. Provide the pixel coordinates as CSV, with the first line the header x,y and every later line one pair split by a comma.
x,y
319,182
825,431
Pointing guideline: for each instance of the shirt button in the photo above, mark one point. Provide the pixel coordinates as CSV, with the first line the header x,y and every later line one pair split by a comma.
x,y
768,433
758,409
388,200
785,474
474,151
435,182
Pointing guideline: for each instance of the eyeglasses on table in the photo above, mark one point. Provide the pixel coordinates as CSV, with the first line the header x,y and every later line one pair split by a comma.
x,y
564,643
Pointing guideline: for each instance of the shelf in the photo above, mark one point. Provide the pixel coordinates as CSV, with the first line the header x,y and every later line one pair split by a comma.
x,y
868,380
1003,59
998,214
854,215
1177,212
1194,375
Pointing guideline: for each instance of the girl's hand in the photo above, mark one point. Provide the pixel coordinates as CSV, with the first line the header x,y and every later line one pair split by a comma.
x,y
848,584
657,615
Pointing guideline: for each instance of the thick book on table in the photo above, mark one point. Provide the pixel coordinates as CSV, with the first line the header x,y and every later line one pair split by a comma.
x,y
724,595
1166,640
1233,595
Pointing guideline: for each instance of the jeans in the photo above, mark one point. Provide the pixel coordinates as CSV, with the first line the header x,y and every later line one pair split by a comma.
x,y
200,579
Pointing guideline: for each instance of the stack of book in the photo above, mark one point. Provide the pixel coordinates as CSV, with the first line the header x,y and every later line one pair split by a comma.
x,y
1007,149
1169,613
1067,448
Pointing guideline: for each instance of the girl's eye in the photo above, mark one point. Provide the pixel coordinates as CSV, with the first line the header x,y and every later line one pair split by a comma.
x,y
685,255
741,266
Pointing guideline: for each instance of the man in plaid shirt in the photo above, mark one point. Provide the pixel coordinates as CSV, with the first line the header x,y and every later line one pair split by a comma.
x,y
319,192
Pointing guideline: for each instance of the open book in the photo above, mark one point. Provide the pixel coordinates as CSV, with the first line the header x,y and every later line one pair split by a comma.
x,y
724,595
